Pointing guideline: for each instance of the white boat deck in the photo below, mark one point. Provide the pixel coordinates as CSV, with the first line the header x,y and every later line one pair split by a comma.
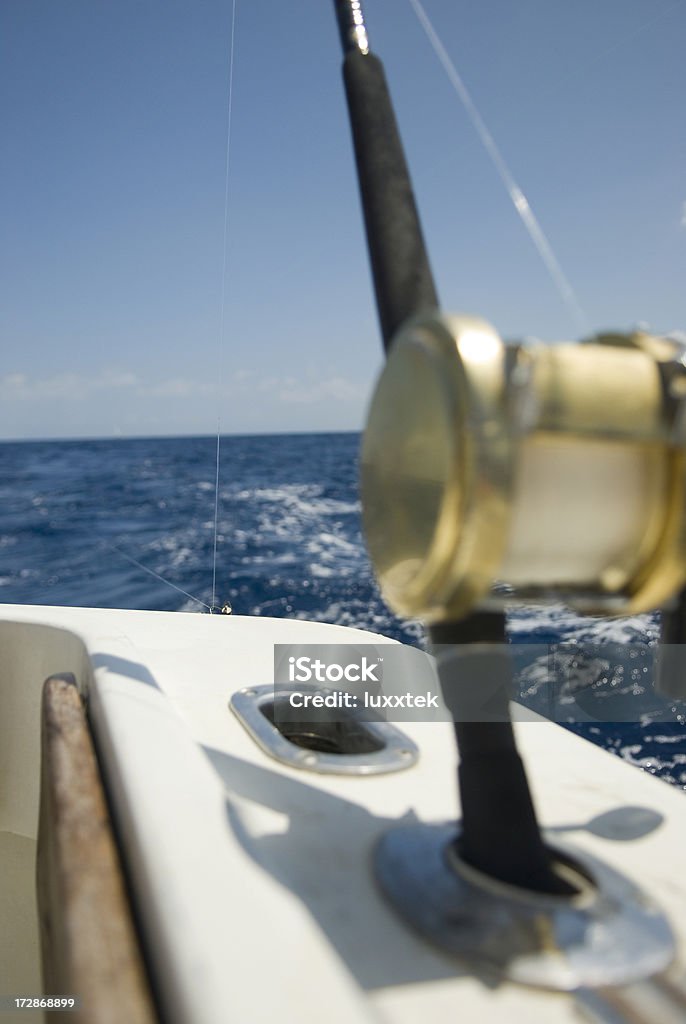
x,y
253,879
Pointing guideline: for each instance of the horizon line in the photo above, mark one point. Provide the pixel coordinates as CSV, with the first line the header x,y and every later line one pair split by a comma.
x,y
174,437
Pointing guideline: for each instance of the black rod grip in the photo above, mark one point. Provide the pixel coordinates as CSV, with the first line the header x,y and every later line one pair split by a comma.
x,y
403,281
500,834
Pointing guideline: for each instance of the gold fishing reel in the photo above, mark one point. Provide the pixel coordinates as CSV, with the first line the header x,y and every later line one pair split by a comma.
x,y
494,472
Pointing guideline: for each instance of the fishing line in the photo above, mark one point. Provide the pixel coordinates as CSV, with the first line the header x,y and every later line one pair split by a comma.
x,y
220,358
519,200
213,606
157,576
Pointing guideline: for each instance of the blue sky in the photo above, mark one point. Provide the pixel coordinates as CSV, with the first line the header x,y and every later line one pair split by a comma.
x,y
114,141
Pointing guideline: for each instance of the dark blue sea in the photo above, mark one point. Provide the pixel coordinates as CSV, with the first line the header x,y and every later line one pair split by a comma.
x,y
124,523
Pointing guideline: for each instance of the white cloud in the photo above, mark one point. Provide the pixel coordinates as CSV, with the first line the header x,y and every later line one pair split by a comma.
x,y
127,386
178,387
14,381
71,386
242,376
336,389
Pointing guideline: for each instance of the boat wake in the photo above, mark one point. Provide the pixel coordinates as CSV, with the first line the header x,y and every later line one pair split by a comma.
x,y
289,544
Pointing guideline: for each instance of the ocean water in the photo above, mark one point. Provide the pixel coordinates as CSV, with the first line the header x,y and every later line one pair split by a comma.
x,y
130,524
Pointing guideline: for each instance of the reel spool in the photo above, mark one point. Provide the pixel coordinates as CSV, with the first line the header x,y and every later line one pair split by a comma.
x,y
558,470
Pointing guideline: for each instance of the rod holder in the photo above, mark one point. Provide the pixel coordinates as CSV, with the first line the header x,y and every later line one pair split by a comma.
x,y
607,932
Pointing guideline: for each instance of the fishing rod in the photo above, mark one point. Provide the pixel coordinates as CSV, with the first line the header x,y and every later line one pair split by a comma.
x,y
403,281
559,470
500,833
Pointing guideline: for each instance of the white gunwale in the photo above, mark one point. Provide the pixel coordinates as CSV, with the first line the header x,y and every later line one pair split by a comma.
x,y
252,879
